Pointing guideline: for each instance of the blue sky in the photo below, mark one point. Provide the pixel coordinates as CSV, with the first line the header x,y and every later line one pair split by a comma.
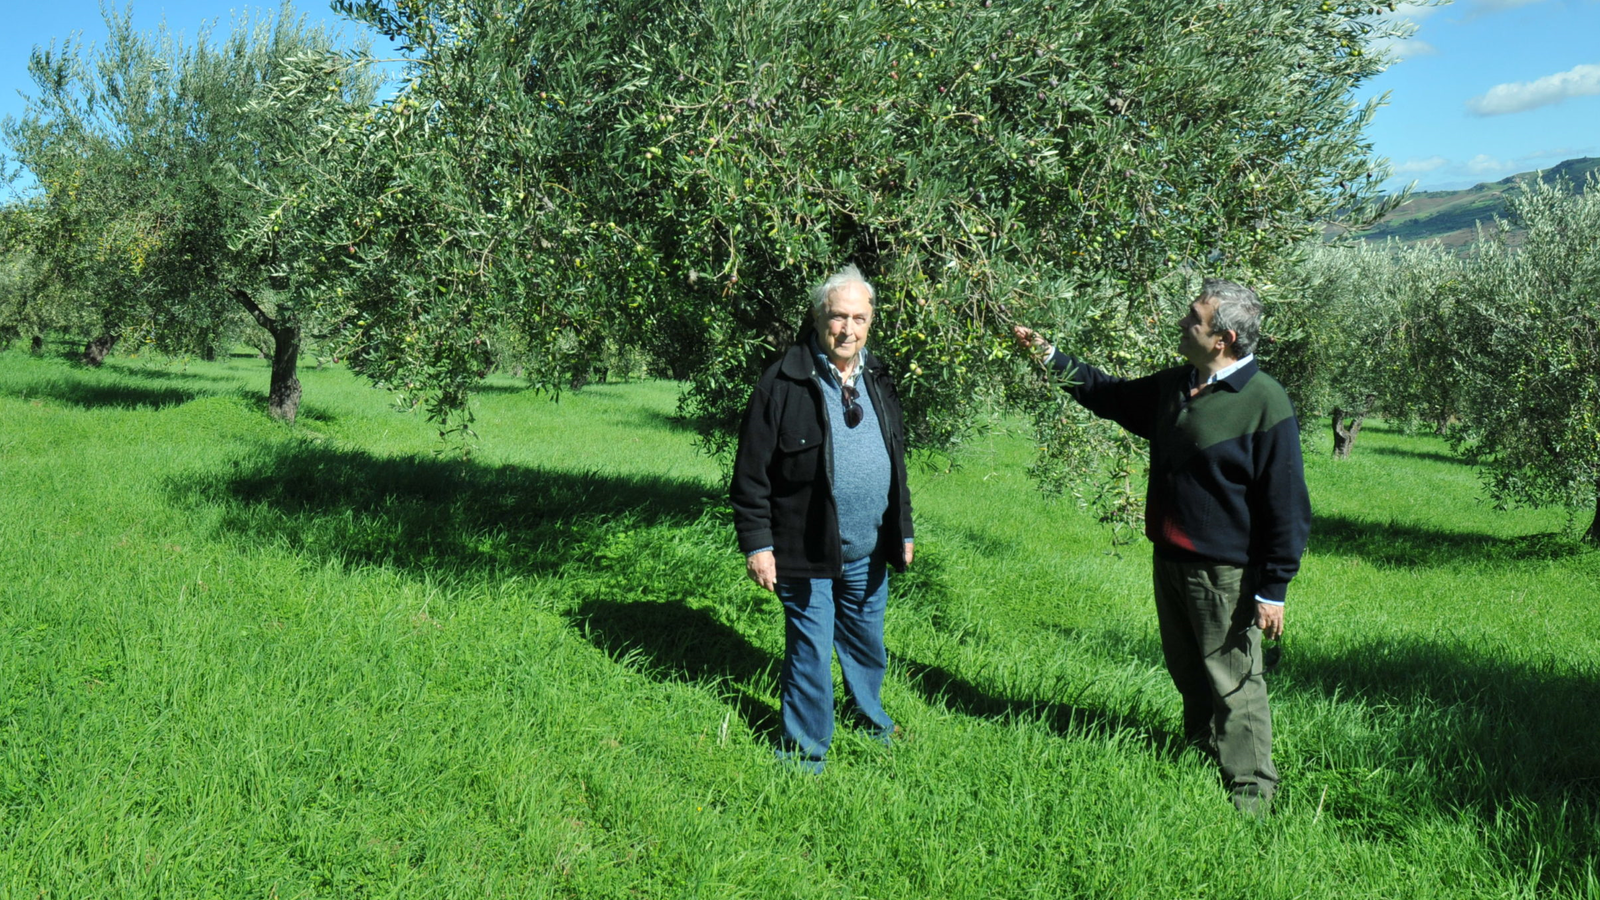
x,y
1482,90
1489,88
30,23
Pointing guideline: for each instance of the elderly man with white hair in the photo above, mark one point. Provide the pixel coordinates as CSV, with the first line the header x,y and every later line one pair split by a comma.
x,y
822,510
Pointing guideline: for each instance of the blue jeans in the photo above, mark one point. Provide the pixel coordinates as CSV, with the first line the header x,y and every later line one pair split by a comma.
x,y
821,616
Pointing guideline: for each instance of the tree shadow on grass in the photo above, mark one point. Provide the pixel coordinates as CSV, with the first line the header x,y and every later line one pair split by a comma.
x,y
943,688
678,641
1401,544
1457,728
489,387
429,514
111,395
1434,727
925,592
657,420
118,387
1430,455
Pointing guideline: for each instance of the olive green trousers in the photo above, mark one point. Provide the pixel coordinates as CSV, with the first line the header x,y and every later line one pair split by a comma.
x,y
1207,614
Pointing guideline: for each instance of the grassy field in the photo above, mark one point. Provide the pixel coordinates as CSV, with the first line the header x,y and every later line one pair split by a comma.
x,y
239,659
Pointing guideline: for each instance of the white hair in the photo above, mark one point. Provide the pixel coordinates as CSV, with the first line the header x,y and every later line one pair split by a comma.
x,y
822,293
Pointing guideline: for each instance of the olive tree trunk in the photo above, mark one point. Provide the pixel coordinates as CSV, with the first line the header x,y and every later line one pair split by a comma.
x,y
283,392
1593,536
1344,432
1347,425
94,352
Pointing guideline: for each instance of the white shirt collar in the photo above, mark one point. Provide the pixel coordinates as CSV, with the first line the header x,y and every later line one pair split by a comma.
x,y
1236,366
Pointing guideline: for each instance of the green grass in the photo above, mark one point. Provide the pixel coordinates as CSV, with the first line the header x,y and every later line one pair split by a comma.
x,y
239,659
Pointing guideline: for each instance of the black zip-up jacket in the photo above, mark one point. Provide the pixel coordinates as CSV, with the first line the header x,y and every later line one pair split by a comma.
x,y
1227,484
782,488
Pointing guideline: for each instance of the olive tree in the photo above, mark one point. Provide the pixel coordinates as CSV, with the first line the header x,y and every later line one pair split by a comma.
x,y
144,150
443,230
1528,320
1355,321
674,175
20,312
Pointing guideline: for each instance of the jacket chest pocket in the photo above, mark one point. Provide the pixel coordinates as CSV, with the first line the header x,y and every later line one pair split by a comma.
x,y
799,456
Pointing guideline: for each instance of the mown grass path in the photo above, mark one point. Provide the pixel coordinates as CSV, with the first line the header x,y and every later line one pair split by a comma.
x,y
244,660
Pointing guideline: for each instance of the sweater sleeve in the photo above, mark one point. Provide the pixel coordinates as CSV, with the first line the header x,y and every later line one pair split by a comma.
x,y
1131,403
1281,517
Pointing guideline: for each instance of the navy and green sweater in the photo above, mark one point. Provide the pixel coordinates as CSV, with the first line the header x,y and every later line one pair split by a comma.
x,y
1227,484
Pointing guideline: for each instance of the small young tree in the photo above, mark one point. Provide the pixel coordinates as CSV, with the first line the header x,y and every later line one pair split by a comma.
x,y
1529,322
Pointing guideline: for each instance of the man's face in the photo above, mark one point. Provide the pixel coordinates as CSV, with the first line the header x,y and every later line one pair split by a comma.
x,y
1196,341
842,328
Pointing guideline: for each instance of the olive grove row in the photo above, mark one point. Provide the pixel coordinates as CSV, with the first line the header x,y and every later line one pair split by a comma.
x,y
556,186
1499,349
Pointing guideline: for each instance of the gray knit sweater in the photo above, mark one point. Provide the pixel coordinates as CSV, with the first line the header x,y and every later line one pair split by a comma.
x,y
861,468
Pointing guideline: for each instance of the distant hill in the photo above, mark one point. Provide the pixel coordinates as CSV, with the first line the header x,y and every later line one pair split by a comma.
x,y
1451,217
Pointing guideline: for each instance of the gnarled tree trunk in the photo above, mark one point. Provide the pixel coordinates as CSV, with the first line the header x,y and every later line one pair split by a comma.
x,y
1346,428
1593,536
1344,433
283,393
94,352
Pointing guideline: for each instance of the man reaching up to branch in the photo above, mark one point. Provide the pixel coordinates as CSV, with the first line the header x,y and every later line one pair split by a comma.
x,y
1227,513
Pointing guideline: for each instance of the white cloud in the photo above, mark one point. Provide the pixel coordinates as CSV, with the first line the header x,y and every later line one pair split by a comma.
x,y
1419,166
1484,164
1396,32
1402,50
1414,47
1489,7
1557,154
1520,96
1436,173
1416,12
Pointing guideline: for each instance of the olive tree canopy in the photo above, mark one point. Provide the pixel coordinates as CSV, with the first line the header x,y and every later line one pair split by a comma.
x,y
151,156
675,175
1527,327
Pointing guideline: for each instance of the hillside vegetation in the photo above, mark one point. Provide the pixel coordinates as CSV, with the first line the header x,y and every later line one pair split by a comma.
x,y
1453,217
245,659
